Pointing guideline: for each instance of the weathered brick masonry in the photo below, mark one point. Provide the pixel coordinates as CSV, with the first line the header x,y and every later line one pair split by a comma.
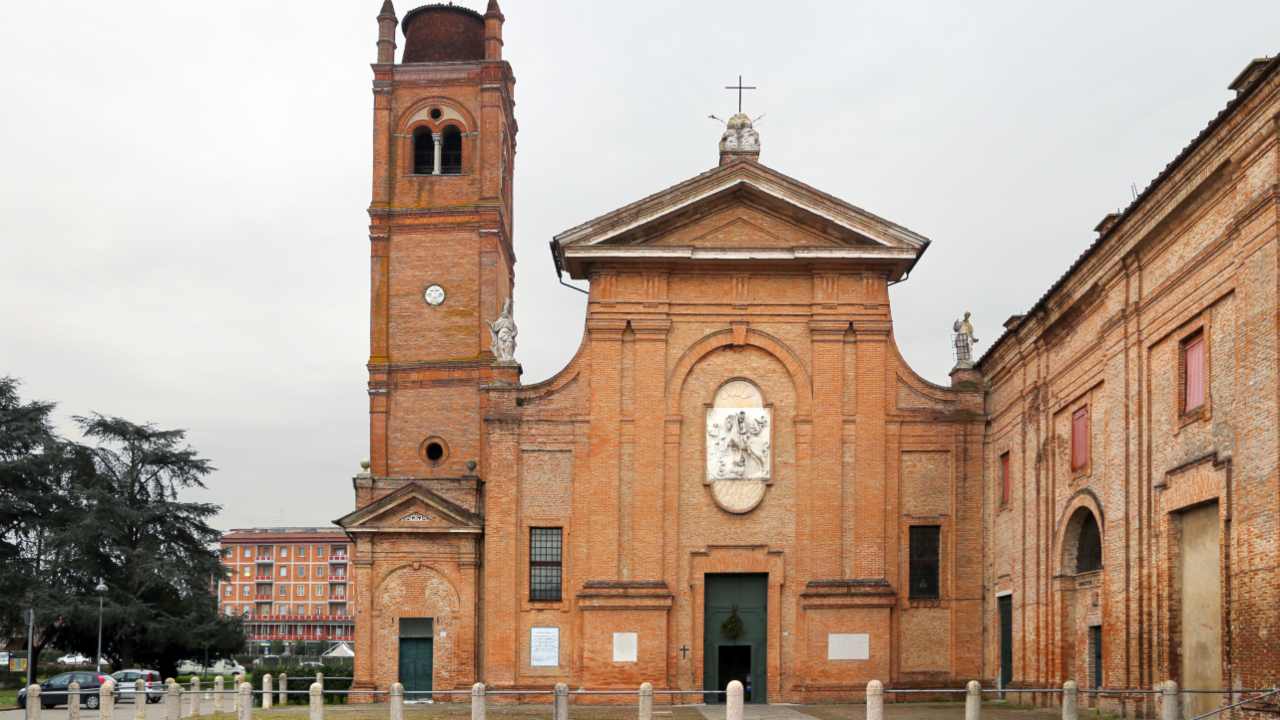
x,y
744,293
1194,256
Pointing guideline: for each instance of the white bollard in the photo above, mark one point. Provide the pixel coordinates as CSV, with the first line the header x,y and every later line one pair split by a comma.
x,y
106,700
171,700
244,701
316,698
1169,698
733,701
320,679
561,709
875,700
266,691
139,699
478,700
973,701
195,697
1070,701
73,701
646,701
397,701
284,689
33,702
218,687
236,680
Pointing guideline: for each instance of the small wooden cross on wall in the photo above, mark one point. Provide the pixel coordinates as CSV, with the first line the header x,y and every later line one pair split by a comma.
x,y
684,651
740,87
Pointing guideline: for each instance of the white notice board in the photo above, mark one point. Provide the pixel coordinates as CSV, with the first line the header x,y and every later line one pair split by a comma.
x,y
625,647
848,646
544,646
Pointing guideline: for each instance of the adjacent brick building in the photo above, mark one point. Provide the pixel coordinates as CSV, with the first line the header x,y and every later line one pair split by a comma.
x,y
737,476
1131,511
289,584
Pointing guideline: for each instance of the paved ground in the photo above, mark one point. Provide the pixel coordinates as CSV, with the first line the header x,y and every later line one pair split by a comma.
x,y
893,711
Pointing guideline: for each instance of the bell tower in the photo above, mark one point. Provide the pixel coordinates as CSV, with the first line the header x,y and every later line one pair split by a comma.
x,y
441,242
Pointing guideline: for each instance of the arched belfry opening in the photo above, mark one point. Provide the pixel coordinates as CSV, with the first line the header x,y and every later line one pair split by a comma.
x,y
451,151
423,151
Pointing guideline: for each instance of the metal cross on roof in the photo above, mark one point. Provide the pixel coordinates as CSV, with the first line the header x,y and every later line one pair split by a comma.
x,y
740,87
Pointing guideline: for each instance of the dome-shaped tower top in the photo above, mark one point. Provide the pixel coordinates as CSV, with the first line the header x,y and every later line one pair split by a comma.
x,y
442,33
740,139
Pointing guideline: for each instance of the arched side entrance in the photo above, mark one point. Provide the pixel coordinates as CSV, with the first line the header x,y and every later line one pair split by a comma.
x,y
1081,577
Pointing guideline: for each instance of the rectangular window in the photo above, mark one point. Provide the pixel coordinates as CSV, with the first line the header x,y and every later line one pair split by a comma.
x,y
924,554
320,551
302,571
1006,488
247,552
301,591
228,591
244,591
282,590
1080,438
301,551
319,572
284,571
544,563
284,551
247,570
1193,373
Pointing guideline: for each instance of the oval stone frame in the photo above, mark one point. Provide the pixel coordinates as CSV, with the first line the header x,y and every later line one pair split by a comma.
x,y
738,446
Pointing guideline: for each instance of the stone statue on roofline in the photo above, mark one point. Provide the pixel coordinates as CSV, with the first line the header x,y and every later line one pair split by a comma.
x,y
964,341
503,333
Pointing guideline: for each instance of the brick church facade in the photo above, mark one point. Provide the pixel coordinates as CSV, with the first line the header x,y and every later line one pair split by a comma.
x,y
737,475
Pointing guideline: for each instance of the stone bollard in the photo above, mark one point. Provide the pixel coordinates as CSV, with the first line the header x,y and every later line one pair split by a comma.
x,y
646,701
478,700
973,701
33,697
171,700
875,700
218,687
1070,701
320,679
266,691
733,701
236,681
397,701
195,697
284,689
316,698
139,699
106,700
73,701
244,701
561,702
1169,701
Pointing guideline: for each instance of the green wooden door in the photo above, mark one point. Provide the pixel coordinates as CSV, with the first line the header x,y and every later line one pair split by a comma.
x,y
734,634
415,666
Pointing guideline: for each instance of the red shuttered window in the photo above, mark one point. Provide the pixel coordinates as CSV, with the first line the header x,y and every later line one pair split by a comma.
x,y
1080,438
1005,483
1193,373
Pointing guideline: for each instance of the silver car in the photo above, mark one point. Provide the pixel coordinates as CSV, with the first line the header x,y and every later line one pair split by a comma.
x,y
126,684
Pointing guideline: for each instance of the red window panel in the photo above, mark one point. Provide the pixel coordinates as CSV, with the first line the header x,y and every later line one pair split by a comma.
x,y
1005,487
1080,438
1193,373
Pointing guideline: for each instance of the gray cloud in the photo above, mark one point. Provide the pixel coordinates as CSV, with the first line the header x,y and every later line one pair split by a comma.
x,y
182,207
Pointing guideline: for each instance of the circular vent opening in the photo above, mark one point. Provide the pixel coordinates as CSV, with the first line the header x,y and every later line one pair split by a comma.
x,y
435,451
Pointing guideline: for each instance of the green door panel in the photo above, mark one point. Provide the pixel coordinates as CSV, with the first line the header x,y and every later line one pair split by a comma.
x,y
735,649
416,659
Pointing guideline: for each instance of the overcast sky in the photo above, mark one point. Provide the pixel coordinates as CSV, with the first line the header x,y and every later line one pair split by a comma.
x,y
183,235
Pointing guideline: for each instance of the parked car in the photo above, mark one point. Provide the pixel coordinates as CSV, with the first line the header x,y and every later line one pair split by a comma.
x,y
226,667
54,690
126,684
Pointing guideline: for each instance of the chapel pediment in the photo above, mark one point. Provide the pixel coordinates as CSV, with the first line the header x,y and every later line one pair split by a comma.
x,y
412,508
740,211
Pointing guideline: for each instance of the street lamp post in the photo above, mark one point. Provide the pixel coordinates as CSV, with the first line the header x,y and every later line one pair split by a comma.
x,y
101,589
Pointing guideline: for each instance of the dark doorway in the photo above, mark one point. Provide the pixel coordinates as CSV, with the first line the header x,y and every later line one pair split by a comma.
x,y
734,636
1006,639
735,664
416,656
1095,654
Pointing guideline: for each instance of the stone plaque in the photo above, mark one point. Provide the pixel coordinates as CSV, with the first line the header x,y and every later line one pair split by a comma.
x,y
544,647
626,647
848,646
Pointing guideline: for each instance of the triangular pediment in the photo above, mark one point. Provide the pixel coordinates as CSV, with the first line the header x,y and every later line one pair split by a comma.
x,y
412,508
739,211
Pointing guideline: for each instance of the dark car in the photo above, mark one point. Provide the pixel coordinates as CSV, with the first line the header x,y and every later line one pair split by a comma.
x,y
54,690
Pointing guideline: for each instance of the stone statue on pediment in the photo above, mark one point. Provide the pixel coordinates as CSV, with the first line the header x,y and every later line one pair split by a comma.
x,y
964,341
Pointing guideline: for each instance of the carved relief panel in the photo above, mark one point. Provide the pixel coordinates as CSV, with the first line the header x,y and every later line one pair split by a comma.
x,y
739,446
